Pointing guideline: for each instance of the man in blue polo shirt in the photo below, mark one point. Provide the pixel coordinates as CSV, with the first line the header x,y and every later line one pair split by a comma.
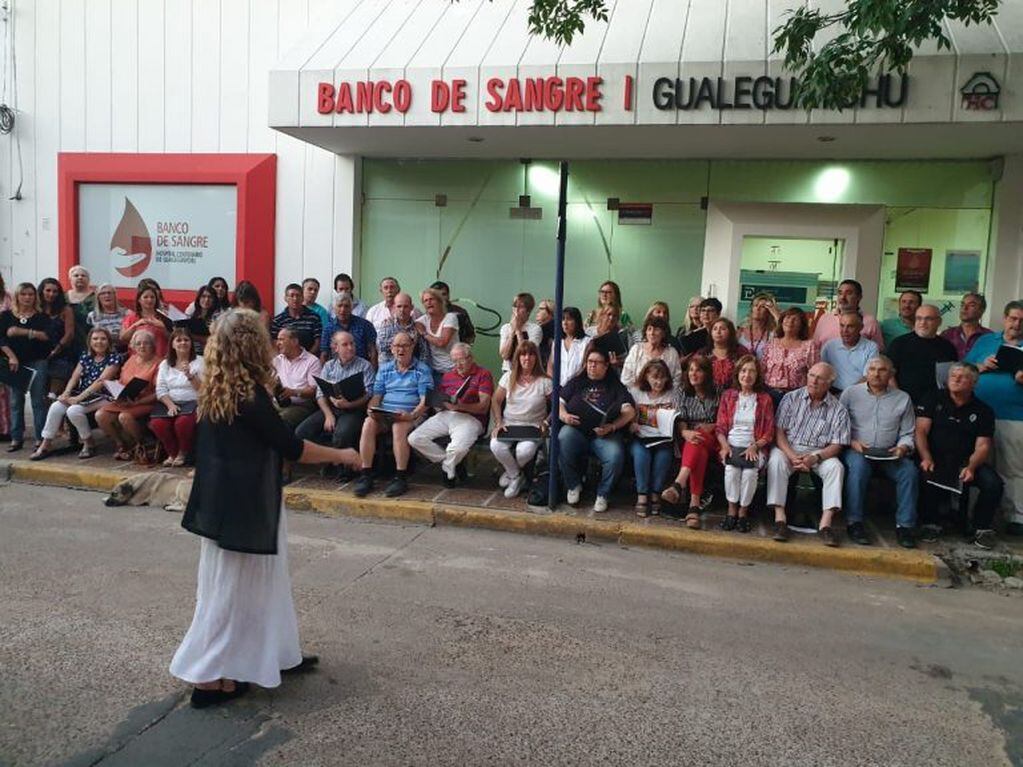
x,y
850,353
361,330
1002,390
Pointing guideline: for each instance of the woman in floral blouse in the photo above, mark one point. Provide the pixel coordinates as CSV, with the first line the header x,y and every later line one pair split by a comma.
x,y
790,354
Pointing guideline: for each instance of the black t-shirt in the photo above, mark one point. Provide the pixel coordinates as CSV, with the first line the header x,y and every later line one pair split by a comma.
x,y
954,430
915,358
694,342
24,349
591,400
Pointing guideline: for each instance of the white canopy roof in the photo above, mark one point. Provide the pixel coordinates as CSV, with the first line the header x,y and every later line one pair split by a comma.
x,y
713,53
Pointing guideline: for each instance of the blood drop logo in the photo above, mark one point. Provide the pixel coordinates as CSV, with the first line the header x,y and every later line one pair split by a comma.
x,y
131,244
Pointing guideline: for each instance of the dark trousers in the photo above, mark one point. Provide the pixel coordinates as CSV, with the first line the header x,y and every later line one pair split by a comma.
x,y
987,482
347,428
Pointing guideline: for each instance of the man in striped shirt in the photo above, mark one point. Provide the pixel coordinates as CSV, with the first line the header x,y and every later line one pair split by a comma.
x,y
812,427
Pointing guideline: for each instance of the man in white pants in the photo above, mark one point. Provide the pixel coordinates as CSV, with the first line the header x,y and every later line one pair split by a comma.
x,y
812,428
463,416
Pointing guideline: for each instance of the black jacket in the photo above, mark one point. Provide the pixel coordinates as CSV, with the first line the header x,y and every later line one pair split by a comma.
x,y
236,494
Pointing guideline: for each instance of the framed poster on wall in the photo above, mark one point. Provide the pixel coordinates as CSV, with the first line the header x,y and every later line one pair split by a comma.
x,y
913,269
962,271
179,219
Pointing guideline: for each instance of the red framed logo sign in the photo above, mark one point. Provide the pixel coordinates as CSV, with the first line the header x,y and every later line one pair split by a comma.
x,y
180,219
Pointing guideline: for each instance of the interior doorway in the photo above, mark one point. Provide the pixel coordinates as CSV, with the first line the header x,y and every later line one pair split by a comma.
x,y
797,271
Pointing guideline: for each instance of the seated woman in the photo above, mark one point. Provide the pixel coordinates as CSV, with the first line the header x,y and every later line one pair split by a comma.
x,y
609,294
698,412
119,420
146,316
83,394
789,355
759,327
246,296
439,328
205,309
609,336
652,450
594,409
657,309
573,344
655,346
724,351
520,400
177,391
108,314
745,431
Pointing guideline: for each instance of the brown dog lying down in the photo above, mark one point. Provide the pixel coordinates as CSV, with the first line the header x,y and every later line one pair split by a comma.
x,y
169,491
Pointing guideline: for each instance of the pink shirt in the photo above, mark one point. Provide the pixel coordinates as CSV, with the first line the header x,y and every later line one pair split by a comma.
x,y
827,328
297,373
786,369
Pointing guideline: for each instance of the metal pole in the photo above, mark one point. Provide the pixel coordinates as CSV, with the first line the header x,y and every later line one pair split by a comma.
x,y
559,296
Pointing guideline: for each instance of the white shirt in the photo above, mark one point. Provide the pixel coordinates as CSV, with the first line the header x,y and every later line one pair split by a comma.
x,y
379,313
571,358
741,433
440,356
533,333
527,404
172,382
637,358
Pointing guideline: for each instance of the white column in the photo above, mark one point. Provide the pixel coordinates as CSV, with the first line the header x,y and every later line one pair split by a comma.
x,y
347,215
1005,256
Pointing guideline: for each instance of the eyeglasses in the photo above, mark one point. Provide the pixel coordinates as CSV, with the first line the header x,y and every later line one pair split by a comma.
x,y
401,346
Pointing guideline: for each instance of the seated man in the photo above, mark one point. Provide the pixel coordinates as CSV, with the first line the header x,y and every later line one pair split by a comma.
x,y
400,387
463,420
295,370
402,321
812,426
954,432
916,355
298,317
882,424
339,419
850,353
363,334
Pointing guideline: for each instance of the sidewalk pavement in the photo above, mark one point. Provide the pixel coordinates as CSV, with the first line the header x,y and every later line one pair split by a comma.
x,y
482,504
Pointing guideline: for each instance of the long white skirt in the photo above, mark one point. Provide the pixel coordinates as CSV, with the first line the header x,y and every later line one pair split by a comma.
x,y
245,627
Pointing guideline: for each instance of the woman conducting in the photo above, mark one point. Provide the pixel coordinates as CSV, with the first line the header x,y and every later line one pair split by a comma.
x,y
244,629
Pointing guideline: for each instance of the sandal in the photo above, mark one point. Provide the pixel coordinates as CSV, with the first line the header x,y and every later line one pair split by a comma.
x,y
693,520
122,455
169,461
655,507
729,523
744,525
87,451
179,460
675,488
640,509
39,454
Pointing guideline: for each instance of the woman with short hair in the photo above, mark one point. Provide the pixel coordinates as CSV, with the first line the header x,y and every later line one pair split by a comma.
x,y
177,393
108,313
81,297
83,394
120,420
521,399
745,431
651,448
697,412
594,409
244,629
790,354
655,346
517,329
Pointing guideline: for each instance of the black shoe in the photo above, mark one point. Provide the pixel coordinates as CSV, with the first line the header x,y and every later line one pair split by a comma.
x,y
930,533
397,486
450,482
744,525
985,539
14,447
207,698
729,523
462,473
363,485
309,662
904,537
857,532
828,537
781,532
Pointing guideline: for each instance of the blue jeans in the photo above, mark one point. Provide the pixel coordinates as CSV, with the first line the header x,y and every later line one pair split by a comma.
x,y
37,393
902,472
651,466
576,448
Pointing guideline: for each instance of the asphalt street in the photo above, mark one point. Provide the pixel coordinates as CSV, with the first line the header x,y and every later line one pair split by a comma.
x,y
449,646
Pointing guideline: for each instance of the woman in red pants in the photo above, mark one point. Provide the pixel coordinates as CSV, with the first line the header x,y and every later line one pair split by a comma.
x,y
177,394
698,408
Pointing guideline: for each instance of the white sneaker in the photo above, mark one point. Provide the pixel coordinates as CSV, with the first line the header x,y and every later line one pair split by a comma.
x,y
515,486
573,495
503,480
600,504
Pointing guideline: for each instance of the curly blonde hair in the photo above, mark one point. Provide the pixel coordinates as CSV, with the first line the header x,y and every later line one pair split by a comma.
x,y
238,358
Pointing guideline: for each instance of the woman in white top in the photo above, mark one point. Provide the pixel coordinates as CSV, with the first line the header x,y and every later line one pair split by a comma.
x,y
652,450
518,329
656,346
521,399
108,314
177,394
573,344
440,330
